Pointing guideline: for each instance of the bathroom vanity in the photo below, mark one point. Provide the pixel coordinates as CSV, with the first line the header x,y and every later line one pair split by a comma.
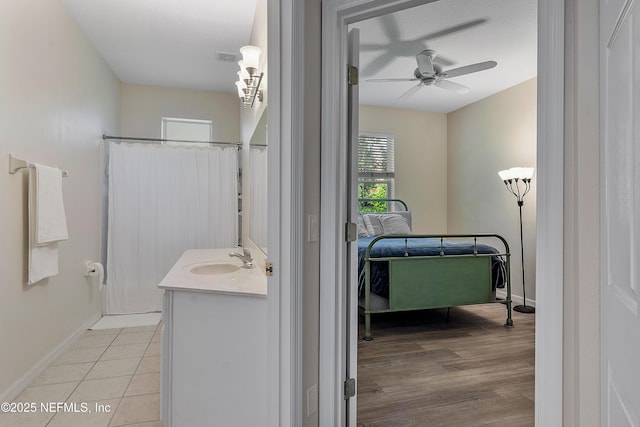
x,y
214,342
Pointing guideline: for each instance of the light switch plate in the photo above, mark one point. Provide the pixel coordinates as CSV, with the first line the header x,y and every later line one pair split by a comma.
x,y
313,227
312,400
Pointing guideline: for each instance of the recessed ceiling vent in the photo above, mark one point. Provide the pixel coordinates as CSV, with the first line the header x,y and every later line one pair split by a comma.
x,y
226,56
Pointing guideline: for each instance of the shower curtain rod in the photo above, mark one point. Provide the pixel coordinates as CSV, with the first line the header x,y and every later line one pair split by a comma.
x,y
134,138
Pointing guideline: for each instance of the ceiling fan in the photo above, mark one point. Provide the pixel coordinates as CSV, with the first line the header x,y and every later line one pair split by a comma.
x,y
429,73
396,46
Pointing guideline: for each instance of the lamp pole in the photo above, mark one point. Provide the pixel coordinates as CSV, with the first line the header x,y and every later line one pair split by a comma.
x,y
512,179
524,308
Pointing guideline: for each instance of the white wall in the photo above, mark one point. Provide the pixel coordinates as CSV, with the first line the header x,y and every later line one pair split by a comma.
x,y
495,133
142,109
57,96
420,161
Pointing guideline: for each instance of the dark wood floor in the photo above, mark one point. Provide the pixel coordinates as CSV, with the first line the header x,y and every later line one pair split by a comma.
x,y
472,371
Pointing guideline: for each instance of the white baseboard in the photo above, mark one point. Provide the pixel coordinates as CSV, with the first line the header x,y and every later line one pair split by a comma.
x,y
23,382
517,299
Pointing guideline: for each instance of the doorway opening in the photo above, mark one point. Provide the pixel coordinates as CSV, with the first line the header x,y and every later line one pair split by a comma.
x,y
451,136
334,380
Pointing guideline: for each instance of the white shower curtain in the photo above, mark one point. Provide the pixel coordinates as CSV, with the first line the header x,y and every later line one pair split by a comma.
x,y
258,197
164,200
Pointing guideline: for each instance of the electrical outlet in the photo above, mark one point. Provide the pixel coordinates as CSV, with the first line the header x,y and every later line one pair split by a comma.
x,y
312,400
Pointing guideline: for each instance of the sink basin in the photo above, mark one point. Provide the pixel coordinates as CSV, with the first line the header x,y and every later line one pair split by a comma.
x,y
215,268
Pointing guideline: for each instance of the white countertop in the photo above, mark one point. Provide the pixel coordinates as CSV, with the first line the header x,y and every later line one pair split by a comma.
x,y
250,282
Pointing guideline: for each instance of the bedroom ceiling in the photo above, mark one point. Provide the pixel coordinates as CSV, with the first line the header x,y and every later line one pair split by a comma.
x,y
168,42
174,43
461,32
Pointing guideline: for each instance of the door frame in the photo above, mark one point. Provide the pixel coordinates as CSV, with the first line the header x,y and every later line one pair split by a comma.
x,y
285,36
337,14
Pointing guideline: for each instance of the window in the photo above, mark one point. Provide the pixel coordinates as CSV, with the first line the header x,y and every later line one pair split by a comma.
x,y
375,170
187,130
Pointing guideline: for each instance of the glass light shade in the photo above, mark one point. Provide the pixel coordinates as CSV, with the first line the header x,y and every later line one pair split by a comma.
x,y
241,85
516,173
527,173
251,56
522,173
505,175
243,74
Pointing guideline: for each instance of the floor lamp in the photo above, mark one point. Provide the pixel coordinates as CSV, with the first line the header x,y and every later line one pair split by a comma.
x,y
518,182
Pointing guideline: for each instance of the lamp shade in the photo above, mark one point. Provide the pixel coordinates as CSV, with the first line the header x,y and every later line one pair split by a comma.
x,y
241,85
516,173
243,75
524,173
505,175
251,56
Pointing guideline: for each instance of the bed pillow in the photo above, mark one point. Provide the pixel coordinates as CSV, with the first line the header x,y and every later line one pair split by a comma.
x,y
393,224
373,224
362,228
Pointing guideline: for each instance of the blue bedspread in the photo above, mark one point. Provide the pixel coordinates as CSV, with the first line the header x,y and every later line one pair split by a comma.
x,y
418,247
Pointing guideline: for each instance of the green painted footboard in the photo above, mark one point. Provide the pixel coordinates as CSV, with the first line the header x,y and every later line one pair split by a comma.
x,y
426,282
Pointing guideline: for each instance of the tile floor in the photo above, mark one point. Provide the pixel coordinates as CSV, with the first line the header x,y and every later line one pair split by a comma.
x,y
111,375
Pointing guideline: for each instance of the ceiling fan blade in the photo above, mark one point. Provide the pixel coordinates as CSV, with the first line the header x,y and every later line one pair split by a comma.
x,y
411,91
373,46
425,62
391,80
377,64
454,29
452,86
468,69
443,61
390,27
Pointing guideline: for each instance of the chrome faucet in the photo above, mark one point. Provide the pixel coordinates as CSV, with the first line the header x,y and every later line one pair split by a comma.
x,y
245,257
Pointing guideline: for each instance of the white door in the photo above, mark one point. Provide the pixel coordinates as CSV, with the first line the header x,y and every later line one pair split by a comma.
x,y
351,299
620,201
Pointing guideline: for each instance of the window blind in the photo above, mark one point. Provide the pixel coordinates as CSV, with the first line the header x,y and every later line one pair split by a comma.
x,y
375,156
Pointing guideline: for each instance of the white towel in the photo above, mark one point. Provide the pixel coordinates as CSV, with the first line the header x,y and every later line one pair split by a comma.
x,y
47,222
50,220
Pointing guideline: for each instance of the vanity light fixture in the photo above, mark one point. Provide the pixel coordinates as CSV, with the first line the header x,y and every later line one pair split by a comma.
x,y
249,78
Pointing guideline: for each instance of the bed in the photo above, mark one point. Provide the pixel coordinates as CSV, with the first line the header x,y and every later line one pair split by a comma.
x,y
401,271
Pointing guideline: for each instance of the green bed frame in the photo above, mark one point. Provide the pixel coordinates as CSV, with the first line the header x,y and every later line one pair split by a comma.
x,y
441,281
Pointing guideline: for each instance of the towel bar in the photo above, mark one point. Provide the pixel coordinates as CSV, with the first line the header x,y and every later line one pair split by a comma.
x,y
15,164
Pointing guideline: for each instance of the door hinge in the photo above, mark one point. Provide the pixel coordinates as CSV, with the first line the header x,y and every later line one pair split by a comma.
x,y
350,232
352,75
268,268
349,387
